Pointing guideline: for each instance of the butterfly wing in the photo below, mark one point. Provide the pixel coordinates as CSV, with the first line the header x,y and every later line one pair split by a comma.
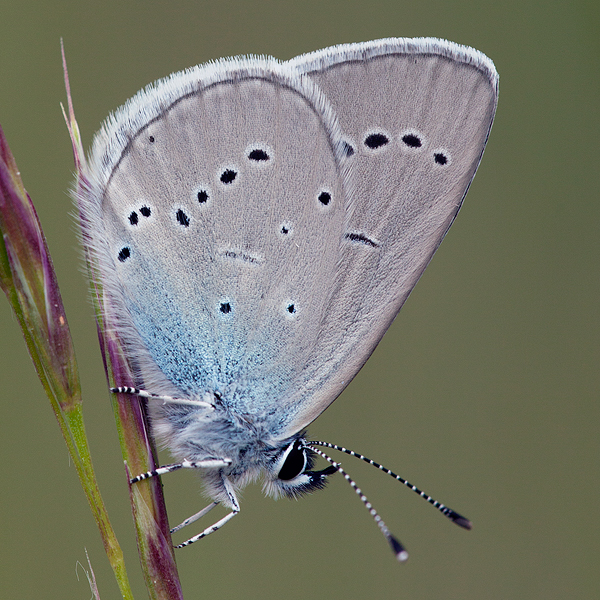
x,y
415,115
215,210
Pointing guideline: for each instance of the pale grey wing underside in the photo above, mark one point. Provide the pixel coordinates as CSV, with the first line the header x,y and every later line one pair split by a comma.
x,y
416,115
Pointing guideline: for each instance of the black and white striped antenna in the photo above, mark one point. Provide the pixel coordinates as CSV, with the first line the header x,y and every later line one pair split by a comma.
x,y
397,547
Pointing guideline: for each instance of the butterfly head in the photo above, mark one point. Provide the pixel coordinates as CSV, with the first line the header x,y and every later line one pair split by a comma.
x,y
290,473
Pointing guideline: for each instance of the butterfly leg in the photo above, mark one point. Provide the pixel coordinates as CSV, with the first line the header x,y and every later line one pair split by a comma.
x,y
165,399
235,510
195,517
213,463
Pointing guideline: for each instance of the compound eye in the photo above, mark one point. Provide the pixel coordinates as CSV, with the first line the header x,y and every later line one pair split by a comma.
x,y
294,462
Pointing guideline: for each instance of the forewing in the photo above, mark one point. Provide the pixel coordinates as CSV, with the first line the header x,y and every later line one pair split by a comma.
x,y
416,115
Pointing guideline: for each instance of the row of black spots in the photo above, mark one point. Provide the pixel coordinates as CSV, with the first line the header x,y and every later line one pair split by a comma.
x,y
227,177
412,140
134,218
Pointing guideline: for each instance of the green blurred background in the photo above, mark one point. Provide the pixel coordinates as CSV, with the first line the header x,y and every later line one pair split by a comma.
x,y
484,392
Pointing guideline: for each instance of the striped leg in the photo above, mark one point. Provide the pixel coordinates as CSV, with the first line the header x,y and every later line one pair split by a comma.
x,y
165,399
235,510
186,464
195,517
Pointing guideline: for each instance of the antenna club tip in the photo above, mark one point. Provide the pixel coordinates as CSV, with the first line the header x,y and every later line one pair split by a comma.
x,y
462,521
398,549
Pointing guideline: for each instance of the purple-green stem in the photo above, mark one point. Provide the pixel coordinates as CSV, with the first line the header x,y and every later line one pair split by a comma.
x,y
27,277
147,501
28,280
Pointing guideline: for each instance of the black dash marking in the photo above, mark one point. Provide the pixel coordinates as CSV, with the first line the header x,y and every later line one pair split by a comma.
x,y
324,198
227,176
145,210
258,154
376,140
202,196
440,158
411,140
225,308
124,254
133,218
182,218
361,239
248,258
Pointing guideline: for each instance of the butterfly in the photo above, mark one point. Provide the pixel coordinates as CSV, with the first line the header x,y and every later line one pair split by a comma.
x,y
257,226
